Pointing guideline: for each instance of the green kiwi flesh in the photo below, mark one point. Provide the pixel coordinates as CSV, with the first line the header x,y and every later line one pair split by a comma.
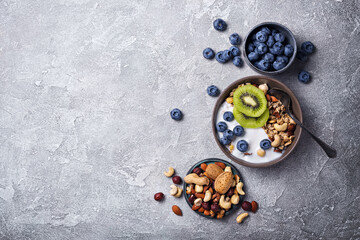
x,y
250,100
251,122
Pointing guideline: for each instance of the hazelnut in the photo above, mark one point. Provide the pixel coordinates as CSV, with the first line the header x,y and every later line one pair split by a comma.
x,y
215,207
176,179
159,196
246,206
230,192
197,170
192,198
206,205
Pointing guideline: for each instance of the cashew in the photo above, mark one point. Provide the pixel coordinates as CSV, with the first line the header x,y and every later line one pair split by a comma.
x,y
235,199
277,141
261,152
292,121
280,128
174,190
239,189
170,172
237,178
189,188
198,188
264,88
241,217
198,202
207,196
234,183
179,192
224,204
194,178
227,169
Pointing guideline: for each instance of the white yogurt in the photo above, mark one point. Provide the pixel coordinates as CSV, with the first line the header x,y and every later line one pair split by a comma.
x,y
252,136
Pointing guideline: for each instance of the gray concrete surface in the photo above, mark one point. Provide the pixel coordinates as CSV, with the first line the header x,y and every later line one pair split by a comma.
x,y
86,90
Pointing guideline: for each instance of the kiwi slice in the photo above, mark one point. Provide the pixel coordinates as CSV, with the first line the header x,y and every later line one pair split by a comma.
x,y
251,122
250,100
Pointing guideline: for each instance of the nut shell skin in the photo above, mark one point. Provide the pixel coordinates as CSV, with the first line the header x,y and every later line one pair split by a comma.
x,y
213,171
223,182
176,210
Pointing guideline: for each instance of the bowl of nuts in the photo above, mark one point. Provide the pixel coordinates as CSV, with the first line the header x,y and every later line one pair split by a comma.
x,y
214,188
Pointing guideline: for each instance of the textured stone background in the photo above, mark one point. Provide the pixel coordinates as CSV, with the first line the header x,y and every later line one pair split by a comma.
x,y
86,90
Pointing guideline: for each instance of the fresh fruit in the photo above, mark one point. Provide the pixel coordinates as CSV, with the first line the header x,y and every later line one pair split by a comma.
x,y
176,210
221,126
279,64
261,36
235,51
176,114
238,130
265,144
220,57
235,39
261,48
229,134
279,37
254,206
304,76
263,65
250,100
176,179
197,170
302,56
307,47
208,53
266,30
220,24
278,48
270,42
253,56
237,61
268,57
288,50
159,196
225,141
250,122
227,55
250,47
228,116
246,206
242,146
282,58
213,91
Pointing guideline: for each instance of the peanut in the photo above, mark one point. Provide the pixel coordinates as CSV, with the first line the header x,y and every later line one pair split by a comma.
x,y
261,152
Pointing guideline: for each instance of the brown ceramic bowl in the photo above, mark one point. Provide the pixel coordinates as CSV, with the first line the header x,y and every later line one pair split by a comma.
x,y
272,83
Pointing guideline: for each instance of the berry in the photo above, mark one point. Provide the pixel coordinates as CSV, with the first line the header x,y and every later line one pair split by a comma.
x,y
265,144
261,36
176,179
235,39
242,146
274,31
176,114
278,64
304,76
237,61
213,91
227,55
235,51
282,58
246,206
262,48
159,196
268,57
208,53
307,47
253,56
266,30
256,43
228,116
279,37
270,42
262,65
220,24
221,126
288,50
277,49
220,57
228,134
225,141
238,130
302,56
251,47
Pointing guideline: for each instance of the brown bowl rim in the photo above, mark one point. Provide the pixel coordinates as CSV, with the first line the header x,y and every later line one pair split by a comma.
x,y
222,98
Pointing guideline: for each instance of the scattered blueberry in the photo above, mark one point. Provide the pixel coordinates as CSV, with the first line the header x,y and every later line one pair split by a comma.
x,y
268,57
235,39
266,30
213,91
208,53
279,37
262,65
176,114
221,126
265,144
277,49
235,51
220,57
228,116
288,50
261,36
253,56
227,55
270,42
282,58
262,48
237,61
301,55
242,146
304,76
251,47
228,134
225,141
238,130
277,65
220,24
307,47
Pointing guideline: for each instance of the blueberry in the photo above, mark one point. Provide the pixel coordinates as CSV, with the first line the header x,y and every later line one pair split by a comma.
x,y
251,47
265,144
274,31
208,53
220,57
220,24
288,50
256,43
282,58
227,55
277,65
176,114
213,91
262,65
228,134
235,51
277,49
253,56
237,61
266,30
270,42
262,48
221,126
235,39
225,141
268,57
242,146
307,47
302,56
238,130
228,116
279,37
304,76
261,36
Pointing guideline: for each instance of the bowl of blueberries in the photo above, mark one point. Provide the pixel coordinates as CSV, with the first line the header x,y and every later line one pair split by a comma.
x,y
270,48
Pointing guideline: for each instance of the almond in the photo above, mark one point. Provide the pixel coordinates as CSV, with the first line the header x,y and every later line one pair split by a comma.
x,y
195,208
254,206
220,164
200,195
274,99
268,98
176,210
291,127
